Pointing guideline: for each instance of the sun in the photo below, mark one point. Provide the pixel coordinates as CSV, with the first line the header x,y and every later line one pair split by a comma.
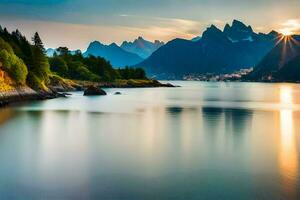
x,y
286,32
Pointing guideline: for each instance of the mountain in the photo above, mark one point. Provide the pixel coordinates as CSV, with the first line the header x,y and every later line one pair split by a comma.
x,y
113,53
236,47
239,32
280,62
141,47
290,71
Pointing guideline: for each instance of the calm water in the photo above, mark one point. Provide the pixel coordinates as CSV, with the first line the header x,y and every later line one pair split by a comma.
x,y
200,141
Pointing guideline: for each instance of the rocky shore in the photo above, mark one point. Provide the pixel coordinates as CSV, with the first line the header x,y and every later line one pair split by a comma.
x,y
17,95
127,84
24,93
58,87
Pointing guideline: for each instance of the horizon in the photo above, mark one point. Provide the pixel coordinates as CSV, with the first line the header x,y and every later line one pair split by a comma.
x,y
76,23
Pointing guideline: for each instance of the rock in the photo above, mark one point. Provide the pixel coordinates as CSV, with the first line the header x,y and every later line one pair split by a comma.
x,y
118,93
169,85
93,91
66,94
63,94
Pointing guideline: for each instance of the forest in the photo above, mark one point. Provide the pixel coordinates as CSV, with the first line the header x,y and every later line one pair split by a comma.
x,y
27,63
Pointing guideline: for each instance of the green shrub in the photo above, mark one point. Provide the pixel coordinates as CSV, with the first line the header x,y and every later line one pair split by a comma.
x,y
5,46
14,66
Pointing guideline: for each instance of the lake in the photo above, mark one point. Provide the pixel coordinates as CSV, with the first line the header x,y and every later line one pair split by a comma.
x,y
199,141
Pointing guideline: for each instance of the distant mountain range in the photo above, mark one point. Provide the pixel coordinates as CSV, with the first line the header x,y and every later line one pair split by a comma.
x,y
282,63
117,56
141,47
237,46
128,54
217,51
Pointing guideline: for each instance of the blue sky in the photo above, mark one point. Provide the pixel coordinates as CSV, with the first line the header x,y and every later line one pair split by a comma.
x,y
74,23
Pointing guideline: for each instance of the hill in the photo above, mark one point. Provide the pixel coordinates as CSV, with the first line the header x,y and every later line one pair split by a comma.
x,y
290,71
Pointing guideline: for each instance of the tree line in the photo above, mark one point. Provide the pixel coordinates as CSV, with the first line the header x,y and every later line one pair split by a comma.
x,y
74,65
27,63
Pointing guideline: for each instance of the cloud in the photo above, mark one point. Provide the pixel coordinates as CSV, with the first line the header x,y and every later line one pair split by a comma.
x,y
170,26
290,27
78,36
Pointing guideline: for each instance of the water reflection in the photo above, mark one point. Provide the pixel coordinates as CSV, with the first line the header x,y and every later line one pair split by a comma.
x,y
235,121
288,158
54,153
137,146
5,115
226,130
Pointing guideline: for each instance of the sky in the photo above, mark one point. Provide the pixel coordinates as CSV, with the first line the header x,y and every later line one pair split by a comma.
x,y
75,23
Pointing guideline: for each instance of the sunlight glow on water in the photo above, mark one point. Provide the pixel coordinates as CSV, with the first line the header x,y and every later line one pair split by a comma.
x,y
200,141
288,157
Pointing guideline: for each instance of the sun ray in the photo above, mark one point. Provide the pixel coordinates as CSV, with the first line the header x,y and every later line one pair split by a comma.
x,y
283,52
278,39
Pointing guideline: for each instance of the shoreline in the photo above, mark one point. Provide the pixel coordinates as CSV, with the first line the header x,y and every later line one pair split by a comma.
x,y
61,88
26,94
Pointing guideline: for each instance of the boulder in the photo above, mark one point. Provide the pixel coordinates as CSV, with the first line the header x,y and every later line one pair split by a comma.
x,y
93,91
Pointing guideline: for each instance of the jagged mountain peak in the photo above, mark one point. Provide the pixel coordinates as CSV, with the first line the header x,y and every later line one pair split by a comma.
x,y
141,47
212,30
226,28
238,31
238,26
213,27
237,23
113,53
213,34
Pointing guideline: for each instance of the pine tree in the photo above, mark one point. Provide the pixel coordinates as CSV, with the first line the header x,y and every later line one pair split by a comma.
x,y
38,42
40,69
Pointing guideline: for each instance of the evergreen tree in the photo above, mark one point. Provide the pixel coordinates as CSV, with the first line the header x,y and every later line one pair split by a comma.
x,y
38,42
40,69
